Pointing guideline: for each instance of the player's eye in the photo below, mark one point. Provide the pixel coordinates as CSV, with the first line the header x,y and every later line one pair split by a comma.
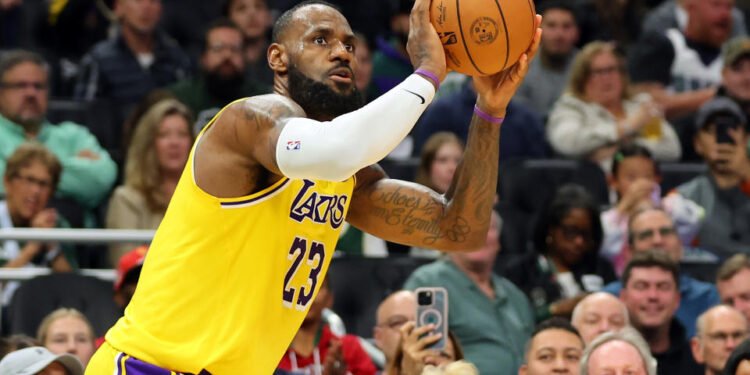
x,y
319,40
349,47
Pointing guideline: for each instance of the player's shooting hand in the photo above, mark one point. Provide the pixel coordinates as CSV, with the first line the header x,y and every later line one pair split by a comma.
x,y
424,46
334,363
413,347
495,91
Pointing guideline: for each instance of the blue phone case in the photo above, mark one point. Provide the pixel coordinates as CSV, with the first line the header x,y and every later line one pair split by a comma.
x,y
436,313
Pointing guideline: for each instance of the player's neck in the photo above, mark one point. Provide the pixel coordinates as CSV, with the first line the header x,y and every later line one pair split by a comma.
x,y
304,341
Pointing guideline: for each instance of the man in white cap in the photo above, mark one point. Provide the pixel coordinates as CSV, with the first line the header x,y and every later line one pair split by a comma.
x,y
40,361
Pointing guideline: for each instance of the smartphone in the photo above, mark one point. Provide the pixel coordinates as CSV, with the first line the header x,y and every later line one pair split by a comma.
x,y
723,124
432,308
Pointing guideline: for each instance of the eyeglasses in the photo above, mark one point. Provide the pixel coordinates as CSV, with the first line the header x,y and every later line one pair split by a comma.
x,y
29,181
39,86
724,336
604,71
219,47
570,233
394,322
647,234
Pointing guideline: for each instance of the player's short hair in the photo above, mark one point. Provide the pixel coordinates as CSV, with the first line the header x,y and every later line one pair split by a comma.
x,y
285,19
732,266
552,323
651,258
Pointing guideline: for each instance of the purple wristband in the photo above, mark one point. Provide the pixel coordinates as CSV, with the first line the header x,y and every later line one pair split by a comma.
x,y
428,74
486,117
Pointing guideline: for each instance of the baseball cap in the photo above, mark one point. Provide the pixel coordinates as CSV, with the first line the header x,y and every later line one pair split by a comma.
x,y
32,360
719,105
736,48
128,262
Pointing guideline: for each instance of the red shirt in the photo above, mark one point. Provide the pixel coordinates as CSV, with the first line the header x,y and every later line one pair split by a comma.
x,y
356,359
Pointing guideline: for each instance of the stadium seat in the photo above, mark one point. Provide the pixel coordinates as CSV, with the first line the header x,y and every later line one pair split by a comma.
x,y
37,297
101,118
675,174
359,285
405,169
528,183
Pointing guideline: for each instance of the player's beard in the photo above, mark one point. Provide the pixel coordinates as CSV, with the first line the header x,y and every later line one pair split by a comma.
x,y
319,100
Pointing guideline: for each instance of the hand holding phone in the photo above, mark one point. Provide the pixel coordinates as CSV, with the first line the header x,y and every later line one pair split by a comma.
x,y
432,308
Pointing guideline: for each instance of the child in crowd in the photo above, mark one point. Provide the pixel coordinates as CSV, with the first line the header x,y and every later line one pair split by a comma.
x,y
635,179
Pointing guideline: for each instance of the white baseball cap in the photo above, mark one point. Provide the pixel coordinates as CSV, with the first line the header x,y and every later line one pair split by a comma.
x,y
30,361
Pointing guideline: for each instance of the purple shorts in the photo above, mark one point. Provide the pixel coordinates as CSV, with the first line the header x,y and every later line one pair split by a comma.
x,y
133,366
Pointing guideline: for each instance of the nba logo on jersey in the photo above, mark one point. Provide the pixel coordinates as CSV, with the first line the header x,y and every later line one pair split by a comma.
x,y
292,145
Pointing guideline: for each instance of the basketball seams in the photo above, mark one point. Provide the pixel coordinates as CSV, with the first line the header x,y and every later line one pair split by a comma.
x,y
507,37
463,39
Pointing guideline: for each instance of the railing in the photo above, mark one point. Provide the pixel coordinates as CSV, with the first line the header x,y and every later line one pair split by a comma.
x,y
89,236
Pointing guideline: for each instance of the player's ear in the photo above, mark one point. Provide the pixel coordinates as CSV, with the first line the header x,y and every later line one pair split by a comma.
x,y
278,59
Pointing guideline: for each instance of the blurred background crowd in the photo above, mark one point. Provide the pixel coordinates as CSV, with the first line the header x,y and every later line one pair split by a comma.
x,y
621,228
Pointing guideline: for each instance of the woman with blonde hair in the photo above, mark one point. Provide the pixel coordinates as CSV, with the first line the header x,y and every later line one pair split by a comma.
x,y
156,157
599,112
67,331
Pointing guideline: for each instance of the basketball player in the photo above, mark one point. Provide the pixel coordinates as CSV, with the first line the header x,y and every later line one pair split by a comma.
x,y
254,220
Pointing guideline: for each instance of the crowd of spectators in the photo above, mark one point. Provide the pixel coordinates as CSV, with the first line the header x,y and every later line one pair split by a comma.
x,y
101,101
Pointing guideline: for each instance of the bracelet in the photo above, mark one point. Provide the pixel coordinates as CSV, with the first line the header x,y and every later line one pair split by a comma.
x,y
486,117
428,74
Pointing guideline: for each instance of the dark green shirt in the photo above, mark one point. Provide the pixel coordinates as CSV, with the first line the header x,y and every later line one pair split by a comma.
x,y
492,333
194,94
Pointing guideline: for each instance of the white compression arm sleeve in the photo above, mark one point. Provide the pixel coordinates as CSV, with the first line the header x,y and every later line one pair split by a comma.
x,y
337,149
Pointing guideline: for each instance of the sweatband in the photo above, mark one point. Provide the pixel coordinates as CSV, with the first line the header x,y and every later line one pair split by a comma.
x,y
428,74
335,150
486,117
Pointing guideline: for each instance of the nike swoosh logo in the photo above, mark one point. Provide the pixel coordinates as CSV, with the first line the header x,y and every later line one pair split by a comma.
x,y
418,96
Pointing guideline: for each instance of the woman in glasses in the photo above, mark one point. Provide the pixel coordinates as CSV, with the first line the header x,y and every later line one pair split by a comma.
x,y
30,179
565,265
598,112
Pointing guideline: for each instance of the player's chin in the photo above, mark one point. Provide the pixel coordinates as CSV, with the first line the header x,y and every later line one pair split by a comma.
x,y
342,87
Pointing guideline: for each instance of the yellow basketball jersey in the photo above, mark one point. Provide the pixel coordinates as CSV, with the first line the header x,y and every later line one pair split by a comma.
x,y
227,282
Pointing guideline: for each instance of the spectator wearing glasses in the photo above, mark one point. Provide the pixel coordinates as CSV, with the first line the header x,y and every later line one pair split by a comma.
x,y
491,318
30,178
88,171
566,264
635,178
222,77
397,309
653,229
720,330
599,112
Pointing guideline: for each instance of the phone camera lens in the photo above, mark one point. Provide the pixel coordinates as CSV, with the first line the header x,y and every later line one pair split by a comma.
x,y
424,298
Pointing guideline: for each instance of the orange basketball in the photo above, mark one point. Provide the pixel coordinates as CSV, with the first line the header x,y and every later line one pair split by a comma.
x,y
483,37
